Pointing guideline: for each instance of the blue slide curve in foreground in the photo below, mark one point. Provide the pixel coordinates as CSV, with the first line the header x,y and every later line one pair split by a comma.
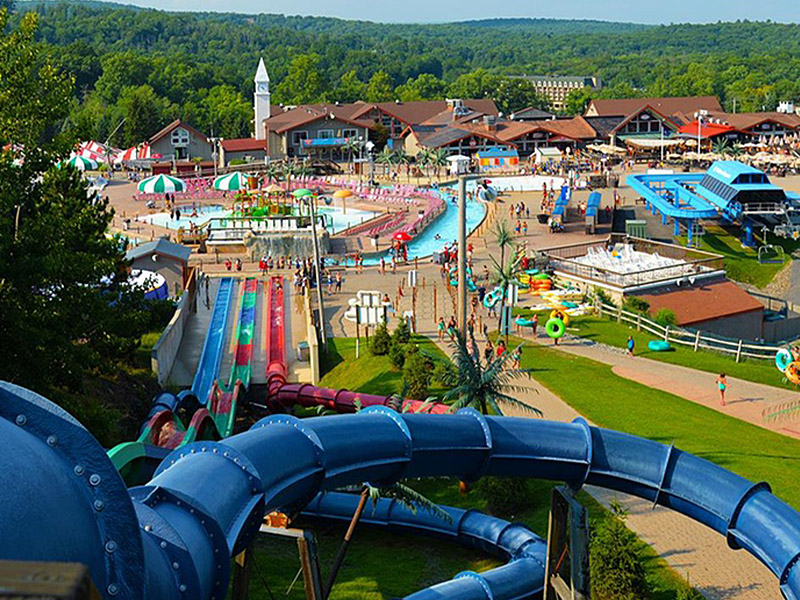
x,y
173,538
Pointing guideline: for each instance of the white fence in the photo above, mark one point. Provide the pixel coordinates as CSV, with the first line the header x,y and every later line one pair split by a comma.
x,y
165,350
693,339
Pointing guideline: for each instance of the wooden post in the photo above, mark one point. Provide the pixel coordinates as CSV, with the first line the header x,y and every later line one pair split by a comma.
x,y
638,322
666,333
697,340
242,567
435,310
619,313
739,351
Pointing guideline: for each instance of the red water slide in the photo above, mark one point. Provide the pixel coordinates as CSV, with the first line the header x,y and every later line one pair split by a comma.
x,y
283,395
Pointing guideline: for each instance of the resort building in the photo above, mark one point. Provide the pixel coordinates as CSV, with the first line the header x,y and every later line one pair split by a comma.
x,y
557,87
179,141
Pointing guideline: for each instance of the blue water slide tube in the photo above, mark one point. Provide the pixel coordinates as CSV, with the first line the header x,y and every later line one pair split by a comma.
x,y
210,358
173,538
681,202
526,551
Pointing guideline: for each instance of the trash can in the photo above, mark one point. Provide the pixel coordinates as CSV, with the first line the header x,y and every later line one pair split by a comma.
x,y
302,352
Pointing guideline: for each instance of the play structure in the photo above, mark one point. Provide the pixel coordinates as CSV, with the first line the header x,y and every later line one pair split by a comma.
x,y
172,536
729,191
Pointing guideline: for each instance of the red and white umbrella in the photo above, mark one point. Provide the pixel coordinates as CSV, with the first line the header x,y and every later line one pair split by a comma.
x,y
92,151
402,236
140,152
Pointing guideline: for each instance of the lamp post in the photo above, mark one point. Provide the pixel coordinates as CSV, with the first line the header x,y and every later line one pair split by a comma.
x,y
108,141
700,115
662,143
214,153
462,254
317,275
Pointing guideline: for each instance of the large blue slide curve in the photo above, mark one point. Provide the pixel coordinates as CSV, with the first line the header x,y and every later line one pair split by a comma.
x,y
173,538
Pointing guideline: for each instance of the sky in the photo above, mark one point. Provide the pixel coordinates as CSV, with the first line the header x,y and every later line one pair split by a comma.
x,y
680,11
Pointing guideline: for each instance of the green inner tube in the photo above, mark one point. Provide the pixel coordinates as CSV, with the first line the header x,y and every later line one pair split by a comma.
x,y
542,276
555,328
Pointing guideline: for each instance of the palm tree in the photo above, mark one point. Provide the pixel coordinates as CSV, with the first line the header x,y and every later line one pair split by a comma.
x,y
439,159
503,276
484,387
399,157
351,147
271,172
503,237
385,158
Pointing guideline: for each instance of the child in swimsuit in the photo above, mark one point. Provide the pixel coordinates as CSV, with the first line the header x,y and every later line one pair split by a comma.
x,y
722,384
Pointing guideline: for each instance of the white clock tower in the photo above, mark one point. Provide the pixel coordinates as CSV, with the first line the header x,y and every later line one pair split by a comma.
x,y
261,100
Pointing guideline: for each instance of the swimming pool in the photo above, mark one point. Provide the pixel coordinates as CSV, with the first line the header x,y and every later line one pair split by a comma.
x,y
443,230
338,221
204,213
521,183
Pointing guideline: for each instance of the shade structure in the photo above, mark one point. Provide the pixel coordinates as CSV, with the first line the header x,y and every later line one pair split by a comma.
x,y
274,189
402,236
342,194
79,162
231,182
161,184
141,152
302,193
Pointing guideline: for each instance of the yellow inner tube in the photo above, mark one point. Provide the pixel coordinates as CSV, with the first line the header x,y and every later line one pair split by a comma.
x,y
560,313
792,372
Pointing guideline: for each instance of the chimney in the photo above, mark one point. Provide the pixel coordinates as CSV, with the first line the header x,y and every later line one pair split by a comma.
x,y
491,122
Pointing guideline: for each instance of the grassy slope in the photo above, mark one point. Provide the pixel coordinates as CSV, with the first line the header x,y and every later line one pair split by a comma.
x,y
617,403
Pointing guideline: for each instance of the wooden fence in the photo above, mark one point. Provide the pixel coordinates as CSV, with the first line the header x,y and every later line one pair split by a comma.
x,y
696,340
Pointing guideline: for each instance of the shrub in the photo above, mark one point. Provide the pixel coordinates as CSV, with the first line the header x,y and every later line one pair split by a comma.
x,y
444,373
665,317
417,373
603,296
402,333
380,341
397,353
616,570
505,496
638,305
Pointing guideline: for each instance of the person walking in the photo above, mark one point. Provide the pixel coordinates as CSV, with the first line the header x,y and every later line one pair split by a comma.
x,y
440,329
383,265
631,345
722,385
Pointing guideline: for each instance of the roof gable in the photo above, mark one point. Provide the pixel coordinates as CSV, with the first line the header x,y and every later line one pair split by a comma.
x,y
173,126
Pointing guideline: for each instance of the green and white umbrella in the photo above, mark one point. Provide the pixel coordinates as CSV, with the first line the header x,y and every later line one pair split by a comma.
x,y
161,184
79,162
230,182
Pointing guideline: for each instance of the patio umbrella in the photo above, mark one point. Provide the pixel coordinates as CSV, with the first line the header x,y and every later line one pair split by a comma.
x,y
161,184
79,162
231,182
302,193
274,189
342,194
402,236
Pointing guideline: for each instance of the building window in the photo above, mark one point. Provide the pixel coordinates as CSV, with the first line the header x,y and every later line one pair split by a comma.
x,y
180,138
350,133
298,137
325,134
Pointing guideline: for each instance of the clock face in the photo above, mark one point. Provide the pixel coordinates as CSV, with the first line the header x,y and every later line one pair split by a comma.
x,y
262,88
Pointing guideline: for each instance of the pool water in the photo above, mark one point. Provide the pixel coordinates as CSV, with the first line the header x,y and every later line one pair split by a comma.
x,y
520,183
204,213
336,218
444,230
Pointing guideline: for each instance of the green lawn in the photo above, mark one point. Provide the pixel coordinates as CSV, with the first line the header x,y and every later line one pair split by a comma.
x,y
367,373
741,264
608,331
618,403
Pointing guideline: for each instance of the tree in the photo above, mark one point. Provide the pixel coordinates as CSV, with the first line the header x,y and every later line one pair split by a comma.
x,y
484,387
515,93
228,114
350,88
66,309
478,84
503,238
144,112
577,101
305,81
379,88
424,87
616,571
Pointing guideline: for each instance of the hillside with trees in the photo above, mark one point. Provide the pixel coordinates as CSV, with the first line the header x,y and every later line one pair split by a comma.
x,y
152,66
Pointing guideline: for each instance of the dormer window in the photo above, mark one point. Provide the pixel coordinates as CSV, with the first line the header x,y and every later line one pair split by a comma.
x,y
180,138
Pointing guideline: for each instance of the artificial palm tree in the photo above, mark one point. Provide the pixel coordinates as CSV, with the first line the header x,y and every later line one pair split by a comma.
x,y
503,276
399,157
503,237
351,147
385,158
439,159
271,172
483,386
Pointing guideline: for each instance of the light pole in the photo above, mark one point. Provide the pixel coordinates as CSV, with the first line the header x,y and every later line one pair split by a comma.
x,y
700,115
108,141
462,254
317,275
214,153
662,143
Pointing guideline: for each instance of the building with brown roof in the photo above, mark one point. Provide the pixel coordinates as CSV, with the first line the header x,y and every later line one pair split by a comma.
x,y
623,107
181,141
242,149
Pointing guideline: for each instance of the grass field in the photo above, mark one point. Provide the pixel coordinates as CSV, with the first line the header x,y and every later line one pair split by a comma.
x,y
741,264
608,331
618,403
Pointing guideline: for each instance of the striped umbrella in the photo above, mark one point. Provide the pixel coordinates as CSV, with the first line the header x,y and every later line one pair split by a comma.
x,y
79,162
161,184
231,182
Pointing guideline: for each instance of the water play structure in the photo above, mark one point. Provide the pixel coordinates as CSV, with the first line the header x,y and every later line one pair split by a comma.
x,y
172,537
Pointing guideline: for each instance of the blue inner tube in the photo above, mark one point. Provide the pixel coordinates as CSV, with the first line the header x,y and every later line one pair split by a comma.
x,y
569,305
532,272
658,346
782,359
523,322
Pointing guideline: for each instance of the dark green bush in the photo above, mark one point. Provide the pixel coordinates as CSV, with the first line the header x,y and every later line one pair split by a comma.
x,y
616,569
603,296
380,341
402,333
505,496
665,317
417,373
636,304
397,353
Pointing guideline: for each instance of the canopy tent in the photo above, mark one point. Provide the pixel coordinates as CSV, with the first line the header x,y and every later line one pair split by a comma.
x,y
606,149
707,130
140,152
161,184
652,143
